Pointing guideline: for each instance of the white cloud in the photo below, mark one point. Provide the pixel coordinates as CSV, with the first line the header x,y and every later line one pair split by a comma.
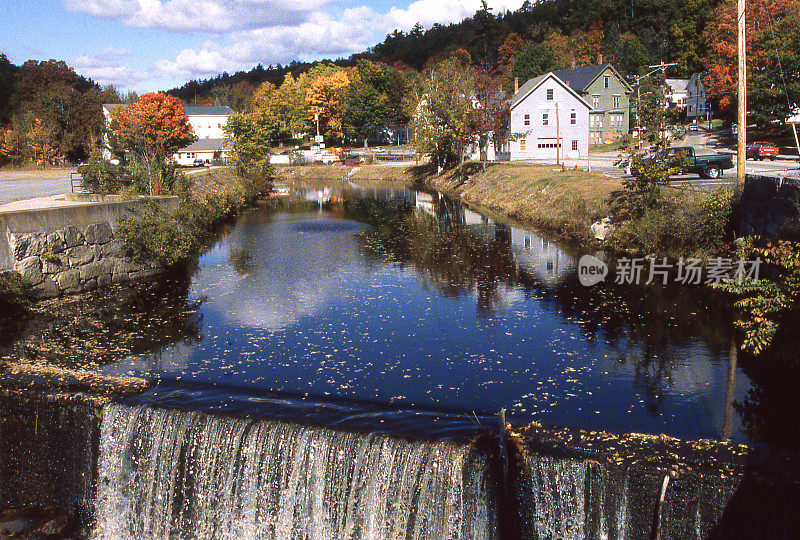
x,y
202,15
106,68
267,31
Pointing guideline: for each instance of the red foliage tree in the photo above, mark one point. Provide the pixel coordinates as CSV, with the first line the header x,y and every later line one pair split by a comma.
x,y
155,126
721,64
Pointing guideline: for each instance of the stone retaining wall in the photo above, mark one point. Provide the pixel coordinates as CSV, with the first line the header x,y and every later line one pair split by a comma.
x,y
70,261
770,207
67,250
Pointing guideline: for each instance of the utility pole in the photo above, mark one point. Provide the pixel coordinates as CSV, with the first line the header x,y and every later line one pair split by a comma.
x,y
742,120
558,137
662,67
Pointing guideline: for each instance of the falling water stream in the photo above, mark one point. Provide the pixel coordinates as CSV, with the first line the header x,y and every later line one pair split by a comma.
x,y
169,473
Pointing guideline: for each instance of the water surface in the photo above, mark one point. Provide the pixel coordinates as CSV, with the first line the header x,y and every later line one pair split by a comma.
x,y
411,301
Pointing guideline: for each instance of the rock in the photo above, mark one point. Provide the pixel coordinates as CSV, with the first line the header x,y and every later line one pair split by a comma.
x,y
120,278
30,269
144,274
54,267
19,245
70,236
104,280
90,285
93,270
68,279
80,255
46,289
34,523
98,233
125,266
27,245
112,249
55,243
601,229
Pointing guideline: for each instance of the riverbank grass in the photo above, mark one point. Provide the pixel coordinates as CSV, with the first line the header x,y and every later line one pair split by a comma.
x,y
565,202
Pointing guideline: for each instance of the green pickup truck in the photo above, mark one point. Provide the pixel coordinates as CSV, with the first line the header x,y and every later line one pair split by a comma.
x,y
707,166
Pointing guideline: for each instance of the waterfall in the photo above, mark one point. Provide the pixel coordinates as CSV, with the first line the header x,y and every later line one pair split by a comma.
x,y
167,473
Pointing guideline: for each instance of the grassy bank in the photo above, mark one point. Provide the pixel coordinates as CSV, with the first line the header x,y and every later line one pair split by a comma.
x,y
565,203
337,176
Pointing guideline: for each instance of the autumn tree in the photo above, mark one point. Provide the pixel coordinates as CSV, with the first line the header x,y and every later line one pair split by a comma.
x,y
442,111
372,99
152,129
251,136
324,100
766,97
534,60
491,108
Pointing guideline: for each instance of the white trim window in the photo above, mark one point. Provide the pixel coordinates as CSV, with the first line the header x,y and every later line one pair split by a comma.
x,y
574,145
573,118
544,119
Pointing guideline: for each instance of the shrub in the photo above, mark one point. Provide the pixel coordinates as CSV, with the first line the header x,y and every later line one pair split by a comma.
x,y
155,235
103,177
13,291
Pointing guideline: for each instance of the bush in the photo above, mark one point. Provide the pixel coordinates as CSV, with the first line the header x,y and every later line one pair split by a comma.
x,y
103,177
679,224
155,235
13,291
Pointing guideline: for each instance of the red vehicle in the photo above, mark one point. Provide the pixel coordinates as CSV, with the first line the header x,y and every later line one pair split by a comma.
x,y
761,150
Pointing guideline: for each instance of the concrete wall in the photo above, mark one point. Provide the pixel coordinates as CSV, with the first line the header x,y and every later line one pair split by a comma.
x,y
71,249
770,208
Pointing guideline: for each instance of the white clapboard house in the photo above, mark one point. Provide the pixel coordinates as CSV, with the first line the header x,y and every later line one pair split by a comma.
x,y
548,117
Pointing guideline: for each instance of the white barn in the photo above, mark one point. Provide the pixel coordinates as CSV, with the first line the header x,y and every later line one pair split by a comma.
x,y
548,115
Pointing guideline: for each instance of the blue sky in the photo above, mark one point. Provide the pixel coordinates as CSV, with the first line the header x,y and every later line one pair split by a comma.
x,y
157,44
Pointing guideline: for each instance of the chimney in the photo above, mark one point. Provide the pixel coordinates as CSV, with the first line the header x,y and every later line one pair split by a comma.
x,y
599,58
516,84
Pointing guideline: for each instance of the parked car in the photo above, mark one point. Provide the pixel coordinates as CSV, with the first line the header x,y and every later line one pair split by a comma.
x,y
198,163
707,166
327,158
694,128
760,150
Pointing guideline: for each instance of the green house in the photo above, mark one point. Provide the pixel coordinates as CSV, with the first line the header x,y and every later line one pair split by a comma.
x,y
609,95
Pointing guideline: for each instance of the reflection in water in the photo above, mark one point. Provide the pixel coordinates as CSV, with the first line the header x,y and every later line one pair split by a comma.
x,y
410,300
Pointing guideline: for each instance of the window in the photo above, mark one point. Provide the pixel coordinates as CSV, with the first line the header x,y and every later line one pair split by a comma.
x,y
616,102
573,118
528,243
522,145
595,102
605,81
549,94
575,145
527,119
545,245
544,119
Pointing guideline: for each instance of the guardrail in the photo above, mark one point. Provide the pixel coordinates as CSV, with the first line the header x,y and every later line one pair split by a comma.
x,y
75,179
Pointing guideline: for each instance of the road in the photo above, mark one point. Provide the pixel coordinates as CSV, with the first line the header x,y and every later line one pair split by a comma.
x,y
704,143
16,185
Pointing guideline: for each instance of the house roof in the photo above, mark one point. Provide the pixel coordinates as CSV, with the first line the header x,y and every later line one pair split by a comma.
x,y
677,85
205,145
209,111
534,83
580,78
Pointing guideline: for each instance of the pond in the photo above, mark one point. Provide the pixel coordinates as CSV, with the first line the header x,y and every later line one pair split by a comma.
x,y
435,316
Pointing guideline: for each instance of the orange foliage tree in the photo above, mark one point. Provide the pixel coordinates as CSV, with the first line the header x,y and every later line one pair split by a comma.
x,y
152,128
720,36
324,97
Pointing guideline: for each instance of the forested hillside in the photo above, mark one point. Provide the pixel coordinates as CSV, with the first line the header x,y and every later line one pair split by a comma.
x,y
629,33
